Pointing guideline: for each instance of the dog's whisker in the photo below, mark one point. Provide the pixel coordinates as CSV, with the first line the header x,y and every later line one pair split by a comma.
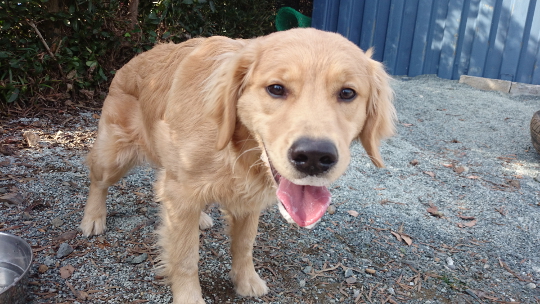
x,y
246,151
257,163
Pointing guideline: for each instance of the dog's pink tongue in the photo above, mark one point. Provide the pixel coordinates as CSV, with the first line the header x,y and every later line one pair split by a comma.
x,y
305,204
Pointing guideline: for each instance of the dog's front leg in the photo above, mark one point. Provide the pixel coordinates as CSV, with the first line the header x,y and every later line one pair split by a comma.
x,y
179,242
243,230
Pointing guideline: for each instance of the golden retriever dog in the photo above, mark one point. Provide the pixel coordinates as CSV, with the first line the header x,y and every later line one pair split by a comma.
x,y
245,123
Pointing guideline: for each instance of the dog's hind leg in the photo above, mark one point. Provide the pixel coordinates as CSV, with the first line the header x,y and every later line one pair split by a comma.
x,y
111,158
205,221
243,230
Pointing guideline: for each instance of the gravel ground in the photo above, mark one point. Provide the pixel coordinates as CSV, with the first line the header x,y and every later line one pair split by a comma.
x,y
454,218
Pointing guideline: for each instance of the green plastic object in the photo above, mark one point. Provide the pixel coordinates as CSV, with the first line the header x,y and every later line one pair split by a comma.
x,y
288,18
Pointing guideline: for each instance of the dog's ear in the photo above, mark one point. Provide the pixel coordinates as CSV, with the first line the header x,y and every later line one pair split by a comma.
x,y
225,86
381,113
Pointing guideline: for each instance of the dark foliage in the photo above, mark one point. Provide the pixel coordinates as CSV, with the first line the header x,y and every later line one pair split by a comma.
x,y
65,49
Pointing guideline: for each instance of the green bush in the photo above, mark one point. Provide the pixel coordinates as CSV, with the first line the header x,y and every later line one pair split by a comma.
x,y
55,49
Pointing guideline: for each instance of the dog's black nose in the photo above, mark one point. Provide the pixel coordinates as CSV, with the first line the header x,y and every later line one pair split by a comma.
x,y
313,156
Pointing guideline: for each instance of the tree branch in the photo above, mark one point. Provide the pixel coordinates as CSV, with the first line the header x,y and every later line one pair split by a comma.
x,y
33,25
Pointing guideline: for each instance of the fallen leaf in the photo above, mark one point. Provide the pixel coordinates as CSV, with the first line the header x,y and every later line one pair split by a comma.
x,y
350,280
470,224
414,162
501,210
95,116
448,165
31,138
66,271
433,210
468,218
12,198
370,271
473,177
402,237
397,235
459,170
407,239
66,236
514,183
353,213
43,268
432,174
81,295
407,124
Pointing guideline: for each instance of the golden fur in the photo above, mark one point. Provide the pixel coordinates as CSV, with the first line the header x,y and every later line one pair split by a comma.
x,y
200,112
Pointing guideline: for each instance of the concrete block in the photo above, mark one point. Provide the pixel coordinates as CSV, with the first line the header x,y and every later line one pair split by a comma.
x,y
519,88
486,84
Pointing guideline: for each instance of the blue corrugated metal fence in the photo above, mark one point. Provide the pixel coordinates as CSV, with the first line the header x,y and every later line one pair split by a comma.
x,y
488,38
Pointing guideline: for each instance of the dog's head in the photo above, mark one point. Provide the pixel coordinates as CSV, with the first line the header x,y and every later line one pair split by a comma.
x,y
304,95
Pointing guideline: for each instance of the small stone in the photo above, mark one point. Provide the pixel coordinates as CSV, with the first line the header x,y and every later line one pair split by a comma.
x,y
139,259
536,269
450,263
349,273
351,280
356,293
391,291
57,222
531,286
486,266
49,261
64,250
370,271
437,260
307,269
302,283
3,190
331,209
366,262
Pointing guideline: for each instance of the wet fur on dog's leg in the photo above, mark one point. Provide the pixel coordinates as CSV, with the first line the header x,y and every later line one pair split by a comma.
x,y
243,230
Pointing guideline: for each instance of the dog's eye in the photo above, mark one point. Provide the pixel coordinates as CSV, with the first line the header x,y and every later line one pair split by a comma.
x,y
347,94
276,90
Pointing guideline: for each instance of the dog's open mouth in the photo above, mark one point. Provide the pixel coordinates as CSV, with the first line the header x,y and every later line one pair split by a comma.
x,y
304,204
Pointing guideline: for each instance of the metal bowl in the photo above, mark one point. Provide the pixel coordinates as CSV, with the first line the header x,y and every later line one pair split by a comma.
x,y
15,261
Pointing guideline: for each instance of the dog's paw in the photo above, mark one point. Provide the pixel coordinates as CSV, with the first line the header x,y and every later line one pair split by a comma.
x,y
249,285
93,226
205,221
188,301
188,297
